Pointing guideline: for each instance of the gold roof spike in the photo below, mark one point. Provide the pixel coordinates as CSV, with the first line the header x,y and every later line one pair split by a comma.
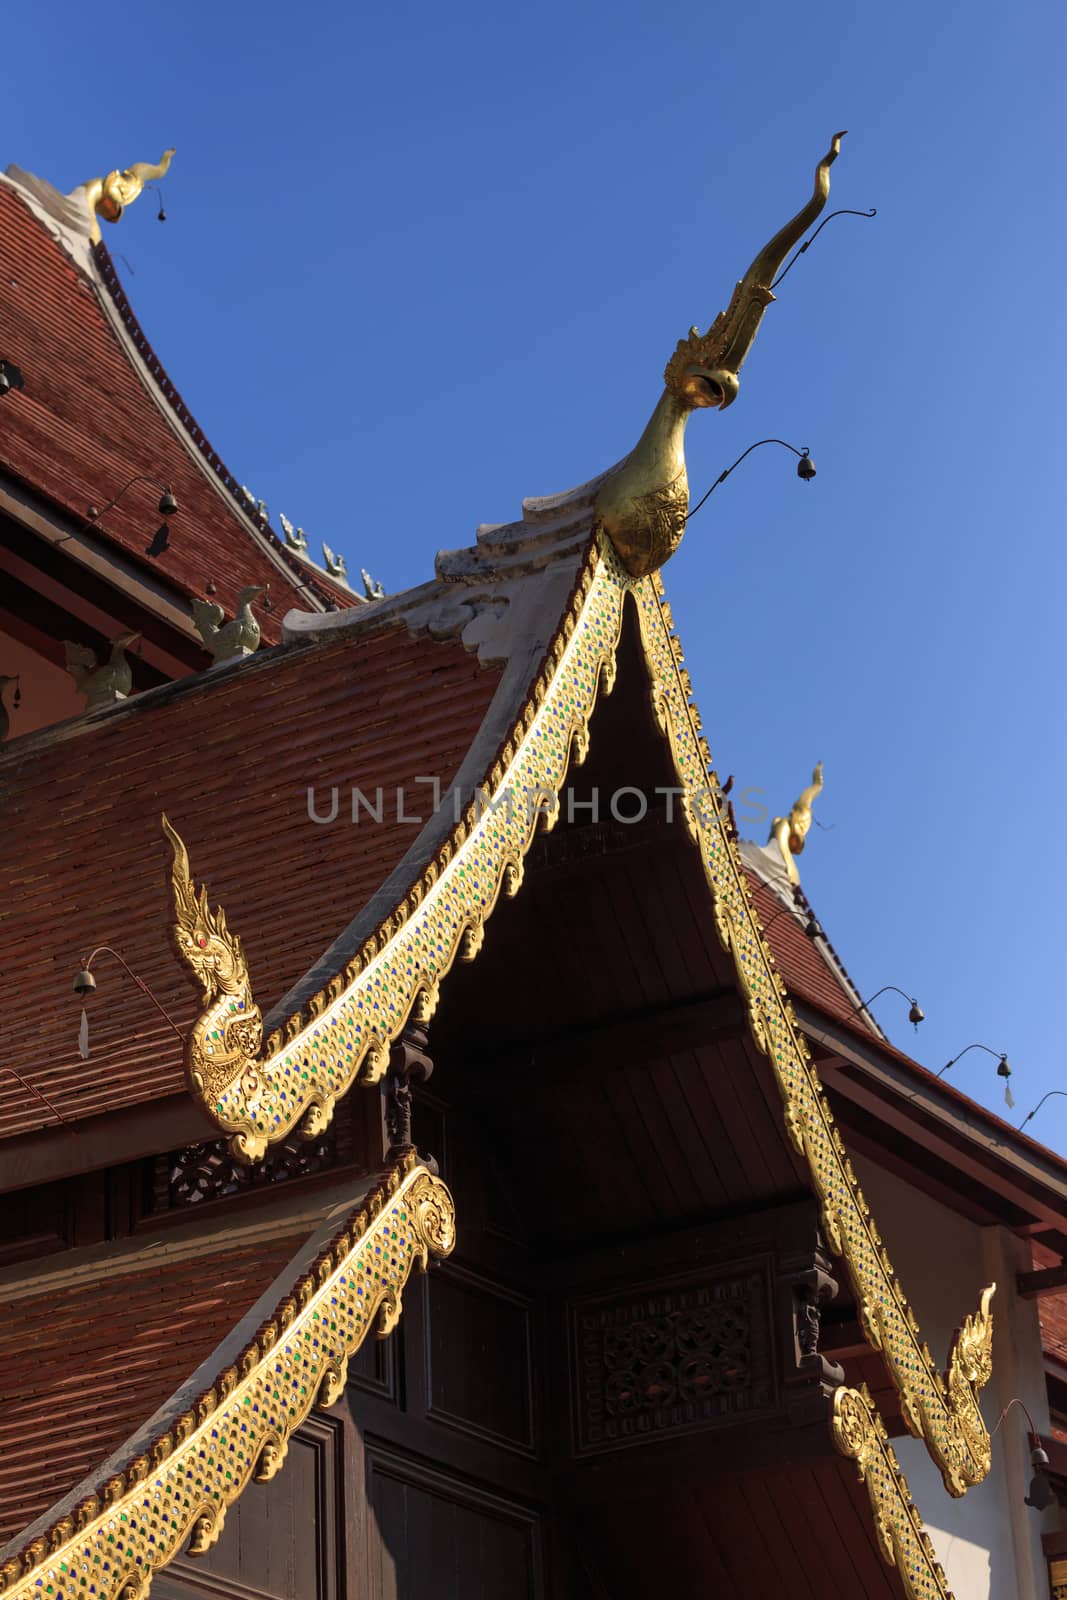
x,y
108,197
643,504
791,831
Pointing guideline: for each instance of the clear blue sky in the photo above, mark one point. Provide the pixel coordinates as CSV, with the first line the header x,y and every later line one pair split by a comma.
x,y
425,260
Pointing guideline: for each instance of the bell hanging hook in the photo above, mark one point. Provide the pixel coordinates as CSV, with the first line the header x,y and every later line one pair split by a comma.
x,y
843,212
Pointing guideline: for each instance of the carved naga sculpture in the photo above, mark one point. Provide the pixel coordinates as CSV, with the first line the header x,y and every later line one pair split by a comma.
x,y
643,504
227,1033
790,832
108,197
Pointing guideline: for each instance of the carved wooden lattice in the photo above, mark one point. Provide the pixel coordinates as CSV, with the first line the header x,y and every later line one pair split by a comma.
x,y
209,1171
671,1359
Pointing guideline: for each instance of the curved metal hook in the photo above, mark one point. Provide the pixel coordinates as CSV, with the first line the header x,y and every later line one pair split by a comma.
x,y
724,475
844,212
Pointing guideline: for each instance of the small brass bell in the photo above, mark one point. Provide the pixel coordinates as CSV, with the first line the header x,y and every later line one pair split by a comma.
x,y
806,468
167,503
84,982
1003,1068
1041,1494
916,1014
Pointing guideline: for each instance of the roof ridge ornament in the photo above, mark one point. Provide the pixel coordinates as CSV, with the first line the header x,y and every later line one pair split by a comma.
x,y
336,565
224,1039
789,833
643,504
108,197
228,641
101,682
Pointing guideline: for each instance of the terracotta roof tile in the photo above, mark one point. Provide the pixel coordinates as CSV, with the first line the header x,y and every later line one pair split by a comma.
x,y
230,757
86,422
82,1368
807,974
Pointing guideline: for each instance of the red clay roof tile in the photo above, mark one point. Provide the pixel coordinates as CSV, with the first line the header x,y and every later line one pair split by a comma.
x,y
82,1368
86,422
807,974
230,758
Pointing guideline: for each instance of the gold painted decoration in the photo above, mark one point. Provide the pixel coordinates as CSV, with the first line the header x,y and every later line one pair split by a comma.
x,y
941,1409
108,197
789,833
184,1479
643,504
344,1034
225,1037
859,1434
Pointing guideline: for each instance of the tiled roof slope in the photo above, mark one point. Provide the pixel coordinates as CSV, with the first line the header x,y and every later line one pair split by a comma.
x,y
230,756
82,1365
87,421
807,973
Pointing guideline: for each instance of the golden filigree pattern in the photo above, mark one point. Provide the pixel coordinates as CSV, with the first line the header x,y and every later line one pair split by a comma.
x,y
943,1412
859,1433
226,1036
349,1025
183,1481
643,504
361,1010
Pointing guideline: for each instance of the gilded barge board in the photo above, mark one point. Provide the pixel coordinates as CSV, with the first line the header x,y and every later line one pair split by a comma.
x,y
943,1413
259,1099
365,1008
125,1528
859,1433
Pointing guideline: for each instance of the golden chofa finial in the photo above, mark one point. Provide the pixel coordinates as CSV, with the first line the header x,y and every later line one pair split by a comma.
x,y
791,831
643,504
108,197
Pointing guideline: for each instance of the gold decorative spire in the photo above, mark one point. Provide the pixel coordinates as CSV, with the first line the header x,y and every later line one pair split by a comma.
x,y
791,831
108,197
643,504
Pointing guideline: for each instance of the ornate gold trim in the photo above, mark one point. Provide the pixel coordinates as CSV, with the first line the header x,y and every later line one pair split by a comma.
x,y
859,1434
643,504
344,1036
943,1411
186,1476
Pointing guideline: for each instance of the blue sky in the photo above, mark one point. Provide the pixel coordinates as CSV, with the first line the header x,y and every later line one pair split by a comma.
x,y
423,261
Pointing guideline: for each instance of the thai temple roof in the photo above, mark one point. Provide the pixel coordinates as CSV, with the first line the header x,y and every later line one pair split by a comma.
x,y
105,410
486,676
112,1339
84,801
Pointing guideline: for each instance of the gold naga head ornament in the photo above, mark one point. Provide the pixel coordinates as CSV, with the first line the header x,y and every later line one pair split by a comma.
x,y
644,503
790,832
108,197
204,942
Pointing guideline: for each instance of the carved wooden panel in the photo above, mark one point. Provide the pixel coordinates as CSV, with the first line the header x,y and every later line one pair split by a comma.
x,y
478,1357
279,1542
375,1366
434,1536
672,1358
203,1172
